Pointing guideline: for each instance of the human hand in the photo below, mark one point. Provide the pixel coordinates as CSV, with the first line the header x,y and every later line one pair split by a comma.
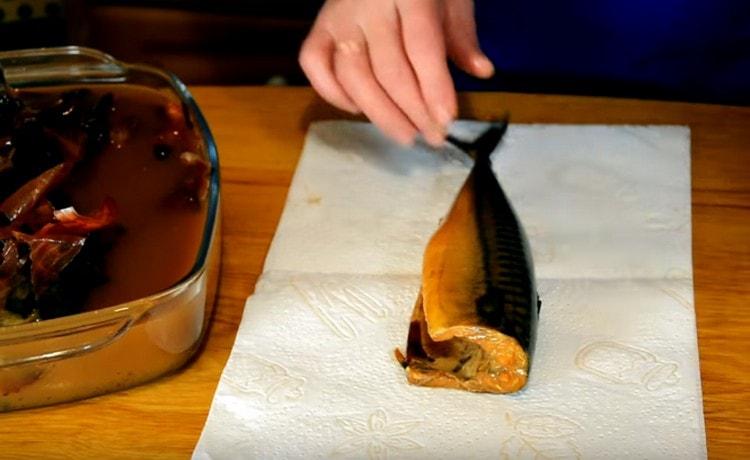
x,y
388,59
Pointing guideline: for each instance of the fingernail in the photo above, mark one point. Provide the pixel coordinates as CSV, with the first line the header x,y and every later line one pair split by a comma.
x,y
484,66
444,117
406,140
439,129
436,142
435,136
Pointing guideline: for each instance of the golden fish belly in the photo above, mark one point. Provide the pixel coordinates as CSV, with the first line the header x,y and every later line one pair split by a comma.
x,y
473,325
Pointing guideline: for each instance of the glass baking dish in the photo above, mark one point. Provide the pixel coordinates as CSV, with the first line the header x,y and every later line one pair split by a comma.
x,y
117,347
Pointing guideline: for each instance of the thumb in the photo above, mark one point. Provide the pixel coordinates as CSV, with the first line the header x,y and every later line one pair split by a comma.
x,y
462,43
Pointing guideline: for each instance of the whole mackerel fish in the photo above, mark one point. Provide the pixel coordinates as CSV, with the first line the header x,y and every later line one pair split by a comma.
x,y
474,324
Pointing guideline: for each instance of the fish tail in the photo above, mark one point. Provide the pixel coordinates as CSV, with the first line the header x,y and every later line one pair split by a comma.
x,y
481,148
490,140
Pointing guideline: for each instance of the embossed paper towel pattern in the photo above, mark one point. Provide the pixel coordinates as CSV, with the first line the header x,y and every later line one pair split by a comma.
x,y
607,209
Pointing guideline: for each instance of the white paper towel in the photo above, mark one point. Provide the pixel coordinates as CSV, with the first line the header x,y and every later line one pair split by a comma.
x,y
615,374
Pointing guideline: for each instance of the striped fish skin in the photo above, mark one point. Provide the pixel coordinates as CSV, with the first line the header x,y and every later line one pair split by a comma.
x,y
474,324
510,302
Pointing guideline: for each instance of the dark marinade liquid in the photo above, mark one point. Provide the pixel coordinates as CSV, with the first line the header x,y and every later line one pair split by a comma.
x,y
148,159
163,230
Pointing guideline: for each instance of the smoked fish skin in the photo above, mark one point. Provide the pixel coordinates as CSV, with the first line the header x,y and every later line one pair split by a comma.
x,y
474,323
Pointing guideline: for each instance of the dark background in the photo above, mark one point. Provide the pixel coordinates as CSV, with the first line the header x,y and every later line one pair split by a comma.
x,y
692,50
203,42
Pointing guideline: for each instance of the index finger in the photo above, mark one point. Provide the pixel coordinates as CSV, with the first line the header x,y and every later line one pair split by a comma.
x,y
316,60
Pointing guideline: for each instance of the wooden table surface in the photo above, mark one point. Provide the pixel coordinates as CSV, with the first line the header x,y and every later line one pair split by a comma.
x,y
259,132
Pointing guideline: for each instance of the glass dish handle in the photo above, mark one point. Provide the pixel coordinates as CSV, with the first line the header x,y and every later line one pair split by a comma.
x,y
52,65
59,344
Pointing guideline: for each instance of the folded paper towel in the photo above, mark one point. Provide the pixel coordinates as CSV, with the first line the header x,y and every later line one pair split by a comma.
x,y
615,375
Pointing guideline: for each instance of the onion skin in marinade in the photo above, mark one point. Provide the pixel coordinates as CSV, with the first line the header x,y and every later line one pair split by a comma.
x,y
474,323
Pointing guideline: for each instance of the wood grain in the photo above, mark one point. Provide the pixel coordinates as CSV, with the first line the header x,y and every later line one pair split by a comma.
x,y
260,132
